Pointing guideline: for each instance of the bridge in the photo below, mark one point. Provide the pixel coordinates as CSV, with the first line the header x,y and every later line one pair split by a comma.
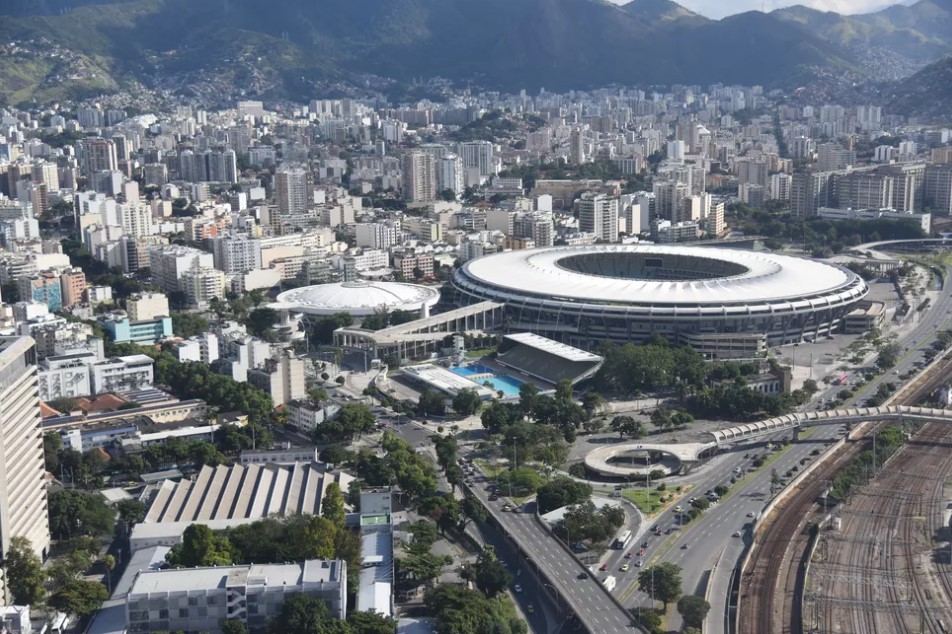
x,y
689,454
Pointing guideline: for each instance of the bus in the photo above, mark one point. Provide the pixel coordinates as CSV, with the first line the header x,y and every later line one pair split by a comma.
x,y
841,379
623,540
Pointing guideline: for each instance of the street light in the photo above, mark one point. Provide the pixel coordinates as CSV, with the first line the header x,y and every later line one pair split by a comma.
x,y
558,598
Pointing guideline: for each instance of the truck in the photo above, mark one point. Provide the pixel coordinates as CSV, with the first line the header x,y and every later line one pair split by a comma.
x,y
609,583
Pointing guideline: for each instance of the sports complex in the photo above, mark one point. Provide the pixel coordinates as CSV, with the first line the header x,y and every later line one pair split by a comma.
x,y
723,301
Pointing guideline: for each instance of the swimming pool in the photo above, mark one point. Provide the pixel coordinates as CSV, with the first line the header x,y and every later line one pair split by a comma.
x,y
473,368
504,383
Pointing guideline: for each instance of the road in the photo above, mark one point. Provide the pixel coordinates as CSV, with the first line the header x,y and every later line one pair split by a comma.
x,y
710,539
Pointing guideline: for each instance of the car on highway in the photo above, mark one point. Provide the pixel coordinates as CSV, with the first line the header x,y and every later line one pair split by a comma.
x,y
736,534
641,553
603,567
506,507
517,588
638,564
751,514
624,567
629,555
581,575
530,608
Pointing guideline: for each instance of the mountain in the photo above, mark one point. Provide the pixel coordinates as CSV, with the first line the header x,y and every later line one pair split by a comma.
x,y
926,94
508,44
921,32
656,13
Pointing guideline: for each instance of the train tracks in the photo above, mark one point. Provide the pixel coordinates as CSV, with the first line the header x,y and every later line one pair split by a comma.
x,y
770,592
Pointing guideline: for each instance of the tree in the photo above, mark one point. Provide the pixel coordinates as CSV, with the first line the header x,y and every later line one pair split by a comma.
x,y
471,510
351,421
528,392
651,621
662,418
431,404
627,426
261,320
24,573
187,325
661,582
200,547
447,194
693,610
488,573
498,416
332,507
234,626
370,623
460,610
423,567
74,513
467,402
562,491
302,614
888,355
78,596
323,330
591,402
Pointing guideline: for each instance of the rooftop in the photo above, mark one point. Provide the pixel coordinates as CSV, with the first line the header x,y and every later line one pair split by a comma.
x,y
189,579
569,353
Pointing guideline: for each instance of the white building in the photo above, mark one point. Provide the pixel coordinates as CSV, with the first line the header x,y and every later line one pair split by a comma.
x,y
22,471
236,254
283,378
122,374
202,284
169,264
305,417
450,174
202,348
65,376
147,306
379,235
598,214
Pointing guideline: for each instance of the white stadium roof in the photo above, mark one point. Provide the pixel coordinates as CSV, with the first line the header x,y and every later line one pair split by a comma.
x,y
753,276
357,298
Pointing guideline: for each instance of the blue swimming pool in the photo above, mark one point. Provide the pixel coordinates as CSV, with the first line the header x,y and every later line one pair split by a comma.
x,y
504,383
473,368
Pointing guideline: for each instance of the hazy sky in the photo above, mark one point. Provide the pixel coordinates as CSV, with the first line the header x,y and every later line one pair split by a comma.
x,y
721,8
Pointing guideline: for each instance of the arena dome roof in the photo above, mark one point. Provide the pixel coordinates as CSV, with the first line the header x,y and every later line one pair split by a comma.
x,y
357,298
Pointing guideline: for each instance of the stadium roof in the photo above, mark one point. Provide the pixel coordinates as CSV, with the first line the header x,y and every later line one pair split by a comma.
x,y
357,298
569,353
716,276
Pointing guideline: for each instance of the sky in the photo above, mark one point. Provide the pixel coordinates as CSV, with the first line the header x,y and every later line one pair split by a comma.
x,y
719,8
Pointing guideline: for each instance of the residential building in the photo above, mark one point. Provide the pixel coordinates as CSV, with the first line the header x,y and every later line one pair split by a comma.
x,y
147,306
23,511
412,265
419,177
378,235
451,174
202,348
598,214
202,599
45,288
938,189
833,157
96,155
169,264
65,376
282,378
236,254
122,374
809,191
306,417
72,285
292,188
202,285
478,156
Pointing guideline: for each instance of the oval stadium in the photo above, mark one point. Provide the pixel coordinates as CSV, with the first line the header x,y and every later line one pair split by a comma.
x,y
711,298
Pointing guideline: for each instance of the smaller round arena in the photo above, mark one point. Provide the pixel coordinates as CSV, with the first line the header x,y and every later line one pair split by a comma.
x,y
360,299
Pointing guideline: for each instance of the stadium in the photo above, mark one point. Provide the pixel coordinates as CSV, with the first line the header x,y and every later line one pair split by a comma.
x,y
725,302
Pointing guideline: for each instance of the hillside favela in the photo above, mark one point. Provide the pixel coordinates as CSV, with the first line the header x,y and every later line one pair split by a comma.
x,y
475,317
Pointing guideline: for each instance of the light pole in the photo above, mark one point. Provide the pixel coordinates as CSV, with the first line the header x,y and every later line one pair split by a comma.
x,y
558,598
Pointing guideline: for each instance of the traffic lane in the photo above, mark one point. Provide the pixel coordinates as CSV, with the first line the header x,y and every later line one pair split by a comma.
x,y
585,597
532,587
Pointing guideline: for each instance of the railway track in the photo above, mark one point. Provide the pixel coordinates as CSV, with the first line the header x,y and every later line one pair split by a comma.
x,y
767,603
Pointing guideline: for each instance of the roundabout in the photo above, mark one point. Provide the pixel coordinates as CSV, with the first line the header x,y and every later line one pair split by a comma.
x,y
632,459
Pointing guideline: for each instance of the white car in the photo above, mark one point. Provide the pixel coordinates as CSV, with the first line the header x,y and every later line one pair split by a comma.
x,y
517,588
736,533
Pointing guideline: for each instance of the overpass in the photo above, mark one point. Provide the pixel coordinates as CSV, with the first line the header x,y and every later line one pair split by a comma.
x,y
689,454
916,244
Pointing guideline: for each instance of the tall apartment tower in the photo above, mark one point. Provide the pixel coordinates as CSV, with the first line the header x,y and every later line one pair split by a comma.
x,y
938,189
419,177
598,214
576,147
450,175
22,470
291,191
809,191
96,155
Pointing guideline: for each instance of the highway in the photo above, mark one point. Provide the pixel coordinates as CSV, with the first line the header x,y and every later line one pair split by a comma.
x,y
710,539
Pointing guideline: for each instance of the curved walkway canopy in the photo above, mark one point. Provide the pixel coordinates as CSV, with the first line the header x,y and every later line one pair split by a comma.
x,y
597,460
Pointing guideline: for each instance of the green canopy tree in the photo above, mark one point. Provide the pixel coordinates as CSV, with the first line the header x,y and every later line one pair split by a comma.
x,y
661,582
24,573
200,547
693,610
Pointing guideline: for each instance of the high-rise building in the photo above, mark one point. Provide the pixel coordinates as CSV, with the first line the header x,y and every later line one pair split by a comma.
x,y
22,470
73,284
780,186
938,189
809,191
576,147
863,190
451,174
598,214
44,287
833,157
291,191
147,306
170,263
96,155
202,285
908,185
419,177
236,254
478,155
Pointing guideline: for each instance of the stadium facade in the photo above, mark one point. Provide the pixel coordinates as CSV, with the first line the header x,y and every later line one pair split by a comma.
x,y
714,299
